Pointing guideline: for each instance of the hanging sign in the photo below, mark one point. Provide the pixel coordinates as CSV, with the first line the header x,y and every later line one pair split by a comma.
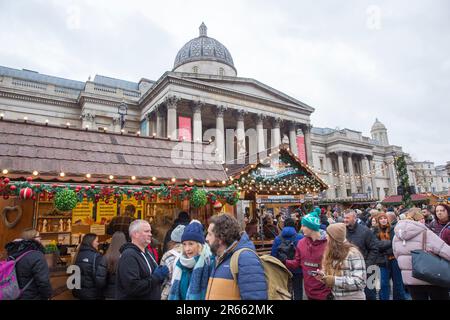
x,y
82,213
132,204
106,211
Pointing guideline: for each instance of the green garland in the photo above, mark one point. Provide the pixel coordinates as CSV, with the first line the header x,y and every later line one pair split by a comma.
x,y
198,198
95,193
66,200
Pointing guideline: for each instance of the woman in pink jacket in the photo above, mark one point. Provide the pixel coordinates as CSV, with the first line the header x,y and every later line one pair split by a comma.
x,y
409,235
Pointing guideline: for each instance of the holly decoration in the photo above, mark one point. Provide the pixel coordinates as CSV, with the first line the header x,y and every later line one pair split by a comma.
x,y
198,198
66,200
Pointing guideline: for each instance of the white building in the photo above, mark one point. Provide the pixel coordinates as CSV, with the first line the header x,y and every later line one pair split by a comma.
x,y
355,165
430,178
200,93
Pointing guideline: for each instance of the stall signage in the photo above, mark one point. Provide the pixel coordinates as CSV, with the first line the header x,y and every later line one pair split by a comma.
x,y
279,199
106,211
98,229
360,196
274,173
138,205
82,213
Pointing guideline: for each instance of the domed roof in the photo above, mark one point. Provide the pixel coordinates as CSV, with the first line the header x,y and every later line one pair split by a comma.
x,y
378,125
203,48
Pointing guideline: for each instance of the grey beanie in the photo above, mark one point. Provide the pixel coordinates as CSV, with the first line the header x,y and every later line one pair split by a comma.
x,y
176,234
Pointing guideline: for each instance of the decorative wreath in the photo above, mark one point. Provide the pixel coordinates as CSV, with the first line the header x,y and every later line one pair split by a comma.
x,y
5,212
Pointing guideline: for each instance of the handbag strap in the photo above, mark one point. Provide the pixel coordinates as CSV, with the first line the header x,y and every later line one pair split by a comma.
x,y
424,240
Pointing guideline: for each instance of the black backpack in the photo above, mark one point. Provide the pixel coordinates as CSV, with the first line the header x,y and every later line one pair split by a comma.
x,y
286,249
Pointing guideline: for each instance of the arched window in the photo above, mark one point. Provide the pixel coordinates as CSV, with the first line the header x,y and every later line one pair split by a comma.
x,y
195,69
221,72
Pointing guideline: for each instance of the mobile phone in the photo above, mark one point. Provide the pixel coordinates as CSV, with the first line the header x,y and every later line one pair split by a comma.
x,y
313,273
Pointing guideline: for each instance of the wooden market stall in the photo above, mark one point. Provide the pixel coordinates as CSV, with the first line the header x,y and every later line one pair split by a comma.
x,y
67,182
276,185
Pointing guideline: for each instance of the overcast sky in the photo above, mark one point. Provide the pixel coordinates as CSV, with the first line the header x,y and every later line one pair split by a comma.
x,y
353,61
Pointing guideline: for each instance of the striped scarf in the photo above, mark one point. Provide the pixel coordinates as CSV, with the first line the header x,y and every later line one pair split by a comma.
x,y
198,282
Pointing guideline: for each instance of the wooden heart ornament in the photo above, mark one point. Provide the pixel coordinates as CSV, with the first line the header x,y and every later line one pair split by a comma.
x,y
6,211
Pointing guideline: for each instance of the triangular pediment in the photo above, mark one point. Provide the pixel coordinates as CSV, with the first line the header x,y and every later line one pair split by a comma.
x,y
244,86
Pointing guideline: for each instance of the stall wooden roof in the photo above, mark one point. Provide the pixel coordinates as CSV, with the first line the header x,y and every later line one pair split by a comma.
x,y
237,170
50,150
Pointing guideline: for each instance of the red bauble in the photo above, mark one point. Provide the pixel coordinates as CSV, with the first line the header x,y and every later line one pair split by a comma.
x,y
86,188
34,198
106,201
6,180
37,185
26,193
92,186
29,179
54,186
12,188
5,196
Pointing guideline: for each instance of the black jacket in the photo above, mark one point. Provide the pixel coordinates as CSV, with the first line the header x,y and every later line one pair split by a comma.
x,y
106,280
384,247
366,242
32,266
134,278
86,258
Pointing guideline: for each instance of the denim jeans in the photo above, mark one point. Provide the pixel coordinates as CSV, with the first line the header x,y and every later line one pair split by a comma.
x,y
297,286
392,271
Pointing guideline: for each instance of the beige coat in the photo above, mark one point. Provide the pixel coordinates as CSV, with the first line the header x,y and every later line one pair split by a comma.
x,y
409,236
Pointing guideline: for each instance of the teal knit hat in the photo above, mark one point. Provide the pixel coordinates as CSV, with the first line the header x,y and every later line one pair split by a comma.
x,y
311,221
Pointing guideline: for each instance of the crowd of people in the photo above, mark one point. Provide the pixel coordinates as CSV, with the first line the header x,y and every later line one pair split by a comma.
x,y
333,255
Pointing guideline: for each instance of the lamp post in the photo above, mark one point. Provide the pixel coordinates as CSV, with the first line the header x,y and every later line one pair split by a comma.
x,y
122,110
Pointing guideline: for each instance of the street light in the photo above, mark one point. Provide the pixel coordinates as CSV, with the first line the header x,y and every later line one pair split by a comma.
x,y
122,110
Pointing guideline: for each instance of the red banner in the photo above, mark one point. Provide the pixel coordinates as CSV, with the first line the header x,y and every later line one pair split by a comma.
x,y
184,128
301,148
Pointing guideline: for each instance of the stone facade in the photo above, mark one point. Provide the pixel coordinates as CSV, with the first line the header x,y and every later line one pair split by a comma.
x,y
246,119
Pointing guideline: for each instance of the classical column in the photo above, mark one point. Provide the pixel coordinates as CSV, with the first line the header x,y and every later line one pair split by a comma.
x,y
260,135
150,125
351,173
308,146
159,121
372,178
342,186
171,102
275,135
197,135
293,138
365,170
329,167
392,176
220,134
240,135
275,141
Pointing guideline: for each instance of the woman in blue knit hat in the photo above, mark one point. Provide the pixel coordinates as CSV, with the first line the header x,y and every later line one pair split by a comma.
x,y
193,267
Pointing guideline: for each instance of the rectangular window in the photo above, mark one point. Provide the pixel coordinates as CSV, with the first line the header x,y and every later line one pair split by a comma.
x,y
321,164
386,192
349,192
378,193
